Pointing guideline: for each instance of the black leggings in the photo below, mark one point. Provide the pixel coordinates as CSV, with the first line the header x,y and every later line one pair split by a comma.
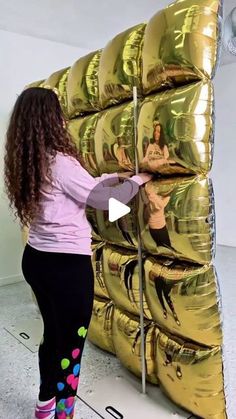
x,y
64,288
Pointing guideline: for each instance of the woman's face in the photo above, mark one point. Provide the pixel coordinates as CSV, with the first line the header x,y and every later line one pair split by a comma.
x,y
157,133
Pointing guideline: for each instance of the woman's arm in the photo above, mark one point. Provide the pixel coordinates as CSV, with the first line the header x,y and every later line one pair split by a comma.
x,y
83,188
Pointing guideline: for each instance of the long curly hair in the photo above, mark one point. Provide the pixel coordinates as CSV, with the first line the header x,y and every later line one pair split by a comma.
x,y
36,132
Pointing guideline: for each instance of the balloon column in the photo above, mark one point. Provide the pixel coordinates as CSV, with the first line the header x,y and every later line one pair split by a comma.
x,y
172,60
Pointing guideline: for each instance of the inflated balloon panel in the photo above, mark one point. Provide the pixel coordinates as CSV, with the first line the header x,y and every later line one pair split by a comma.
x,y
58,82
127,341
177,219
121,276
114,139
100,288
82,85
100,328
82,130
191,375
120,66
121,232
180,295
181,43
175,130
92,218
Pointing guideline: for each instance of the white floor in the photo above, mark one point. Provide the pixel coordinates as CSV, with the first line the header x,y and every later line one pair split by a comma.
x,y
19,366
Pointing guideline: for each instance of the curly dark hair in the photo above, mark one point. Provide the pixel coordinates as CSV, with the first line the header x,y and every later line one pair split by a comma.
x,y
36,132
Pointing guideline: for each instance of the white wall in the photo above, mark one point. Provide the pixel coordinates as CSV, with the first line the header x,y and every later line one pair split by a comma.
x,y
223,172
23,59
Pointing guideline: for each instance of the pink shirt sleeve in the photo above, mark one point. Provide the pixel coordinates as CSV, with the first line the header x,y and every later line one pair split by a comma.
x,y
76,182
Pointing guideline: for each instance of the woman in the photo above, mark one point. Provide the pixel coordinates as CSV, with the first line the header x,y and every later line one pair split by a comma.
x,y
157,153
156,218
49,189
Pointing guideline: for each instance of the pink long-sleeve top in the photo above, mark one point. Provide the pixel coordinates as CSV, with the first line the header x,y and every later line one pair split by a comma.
x,y
61,224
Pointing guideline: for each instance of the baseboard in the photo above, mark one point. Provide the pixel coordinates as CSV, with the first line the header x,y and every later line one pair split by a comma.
x,y
8,280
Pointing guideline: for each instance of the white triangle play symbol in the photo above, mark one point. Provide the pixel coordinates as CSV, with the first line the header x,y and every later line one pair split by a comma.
x,y
117,209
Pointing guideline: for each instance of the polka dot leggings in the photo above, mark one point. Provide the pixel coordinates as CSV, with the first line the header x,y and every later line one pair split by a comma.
x,y
64,288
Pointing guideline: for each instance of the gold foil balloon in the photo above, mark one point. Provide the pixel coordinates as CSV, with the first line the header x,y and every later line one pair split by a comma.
x,y
181,44
191,375
175,130
176,218
82,85
121,232
114,139
127,341
82,131
120,66
92,218
58,82
100,328
100,289
179,295
38,83
121,276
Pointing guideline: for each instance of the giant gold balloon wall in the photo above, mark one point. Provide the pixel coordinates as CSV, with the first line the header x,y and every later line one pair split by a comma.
x,y
172,60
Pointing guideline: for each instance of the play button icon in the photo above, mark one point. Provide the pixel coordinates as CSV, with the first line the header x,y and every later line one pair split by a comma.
x,y
117,209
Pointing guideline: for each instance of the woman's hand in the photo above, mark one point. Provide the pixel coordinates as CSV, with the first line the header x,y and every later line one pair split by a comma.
x,y
145,176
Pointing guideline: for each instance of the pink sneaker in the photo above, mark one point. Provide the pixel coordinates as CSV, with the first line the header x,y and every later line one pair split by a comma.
x,y
44,410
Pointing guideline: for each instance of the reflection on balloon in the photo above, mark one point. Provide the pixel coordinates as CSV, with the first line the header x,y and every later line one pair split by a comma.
x,y
121,276
191,375
179,294
100,328
175,130
127,341
97,261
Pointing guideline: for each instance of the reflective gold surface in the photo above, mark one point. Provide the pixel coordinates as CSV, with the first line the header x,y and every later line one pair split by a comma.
x,y
82,86
100,289
180,44
191,375
100,328
127,341
121,232
82,131
114,139
180,295
92,218
121,276
120,66
177,218
175,130
38,83
58,82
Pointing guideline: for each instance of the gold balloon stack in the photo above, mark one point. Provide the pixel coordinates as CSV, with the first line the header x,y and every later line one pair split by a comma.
x,y
171,60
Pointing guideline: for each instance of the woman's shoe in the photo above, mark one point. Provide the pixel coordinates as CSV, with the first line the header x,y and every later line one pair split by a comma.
x,y
45,410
